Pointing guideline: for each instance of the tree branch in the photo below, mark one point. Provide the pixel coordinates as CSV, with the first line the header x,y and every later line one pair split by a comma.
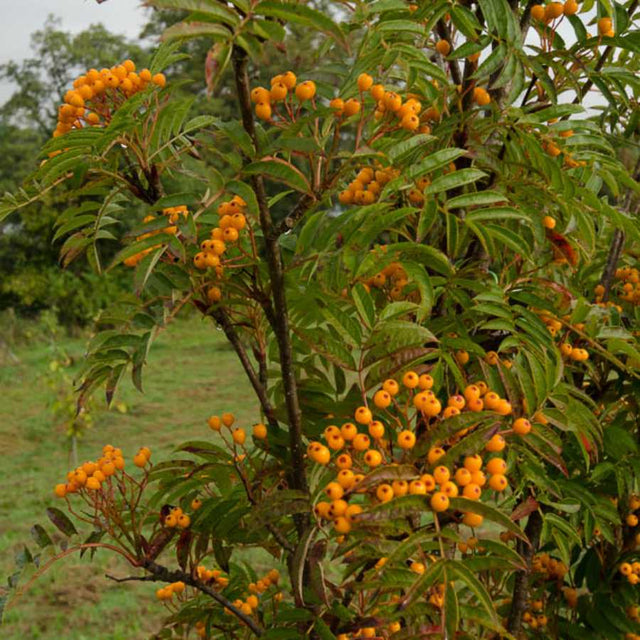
x,y
221,317
521,586
162,574
276,273
612,261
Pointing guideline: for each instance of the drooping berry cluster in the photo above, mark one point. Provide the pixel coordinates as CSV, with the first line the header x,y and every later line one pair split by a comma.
x,y
97,94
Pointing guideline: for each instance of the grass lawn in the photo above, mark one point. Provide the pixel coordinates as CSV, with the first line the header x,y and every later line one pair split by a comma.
x,y
191,374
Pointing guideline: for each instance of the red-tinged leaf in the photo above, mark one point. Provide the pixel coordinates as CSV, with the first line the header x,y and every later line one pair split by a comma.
x,y
525,508
61,521
183,547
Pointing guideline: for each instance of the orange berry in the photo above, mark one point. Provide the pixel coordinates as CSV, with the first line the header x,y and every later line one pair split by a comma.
x,y
384,492
441,474
391,387
498,482
443,47
306,90
473,463
239,436
472,491
159,80
537,12
425,381
435,453
365,82
521,426
496,443
496,465
140,460
363,415
406,439
553,10
481,96
472,519
439,501
60,490
263,110
259,431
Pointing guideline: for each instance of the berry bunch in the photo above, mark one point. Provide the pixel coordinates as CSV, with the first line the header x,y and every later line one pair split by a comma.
x,y
92,475
568,351
367,185
97,94
166,593
176,518
232,221
631,571
548,568
389,109
212,577
627,289
352,453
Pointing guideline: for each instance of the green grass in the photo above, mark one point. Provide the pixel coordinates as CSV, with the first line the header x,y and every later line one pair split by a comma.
x,y
191,373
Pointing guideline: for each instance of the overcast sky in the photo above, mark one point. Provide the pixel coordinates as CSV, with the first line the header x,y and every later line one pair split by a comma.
x,y
20,18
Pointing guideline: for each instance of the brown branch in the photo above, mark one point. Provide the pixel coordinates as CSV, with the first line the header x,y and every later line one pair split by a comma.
x,y
612,261
276,273
221,317
162,574
521,586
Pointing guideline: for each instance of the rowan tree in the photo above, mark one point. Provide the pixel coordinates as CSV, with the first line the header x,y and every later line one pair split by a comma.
x,y
422,252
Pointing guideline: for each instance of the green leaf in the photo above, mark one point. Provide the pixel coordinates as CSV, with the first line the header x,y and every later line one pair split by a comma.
x,y
364,304
478,198
488,512
300,14
434,161
458,569
280,171
185,30
454,180
210,9
496,213
401,150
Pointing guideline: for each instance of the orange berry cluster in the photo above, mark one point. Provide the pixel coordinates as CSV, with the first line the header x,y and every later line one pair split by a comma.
x,y
631,571
250,604
389,105
567,350
548,567
212,577
629,289
392,279
176,518
141,459
534,618
238,434
97,94
167,593
281,87
352,452
91,475
173,213
232,221
367,185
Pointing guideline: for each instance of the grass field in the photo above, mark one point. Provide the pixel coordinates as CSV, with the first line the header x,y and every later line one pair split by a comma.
x,y
191,373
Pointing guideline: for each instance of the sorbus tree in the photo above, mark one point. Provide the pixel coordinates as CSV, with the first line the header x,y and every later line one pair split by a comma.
x,y
422,252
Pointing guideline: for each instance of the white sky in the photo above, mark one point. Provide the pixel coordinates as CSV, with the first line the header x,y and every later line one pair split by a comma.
x,y
20,18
